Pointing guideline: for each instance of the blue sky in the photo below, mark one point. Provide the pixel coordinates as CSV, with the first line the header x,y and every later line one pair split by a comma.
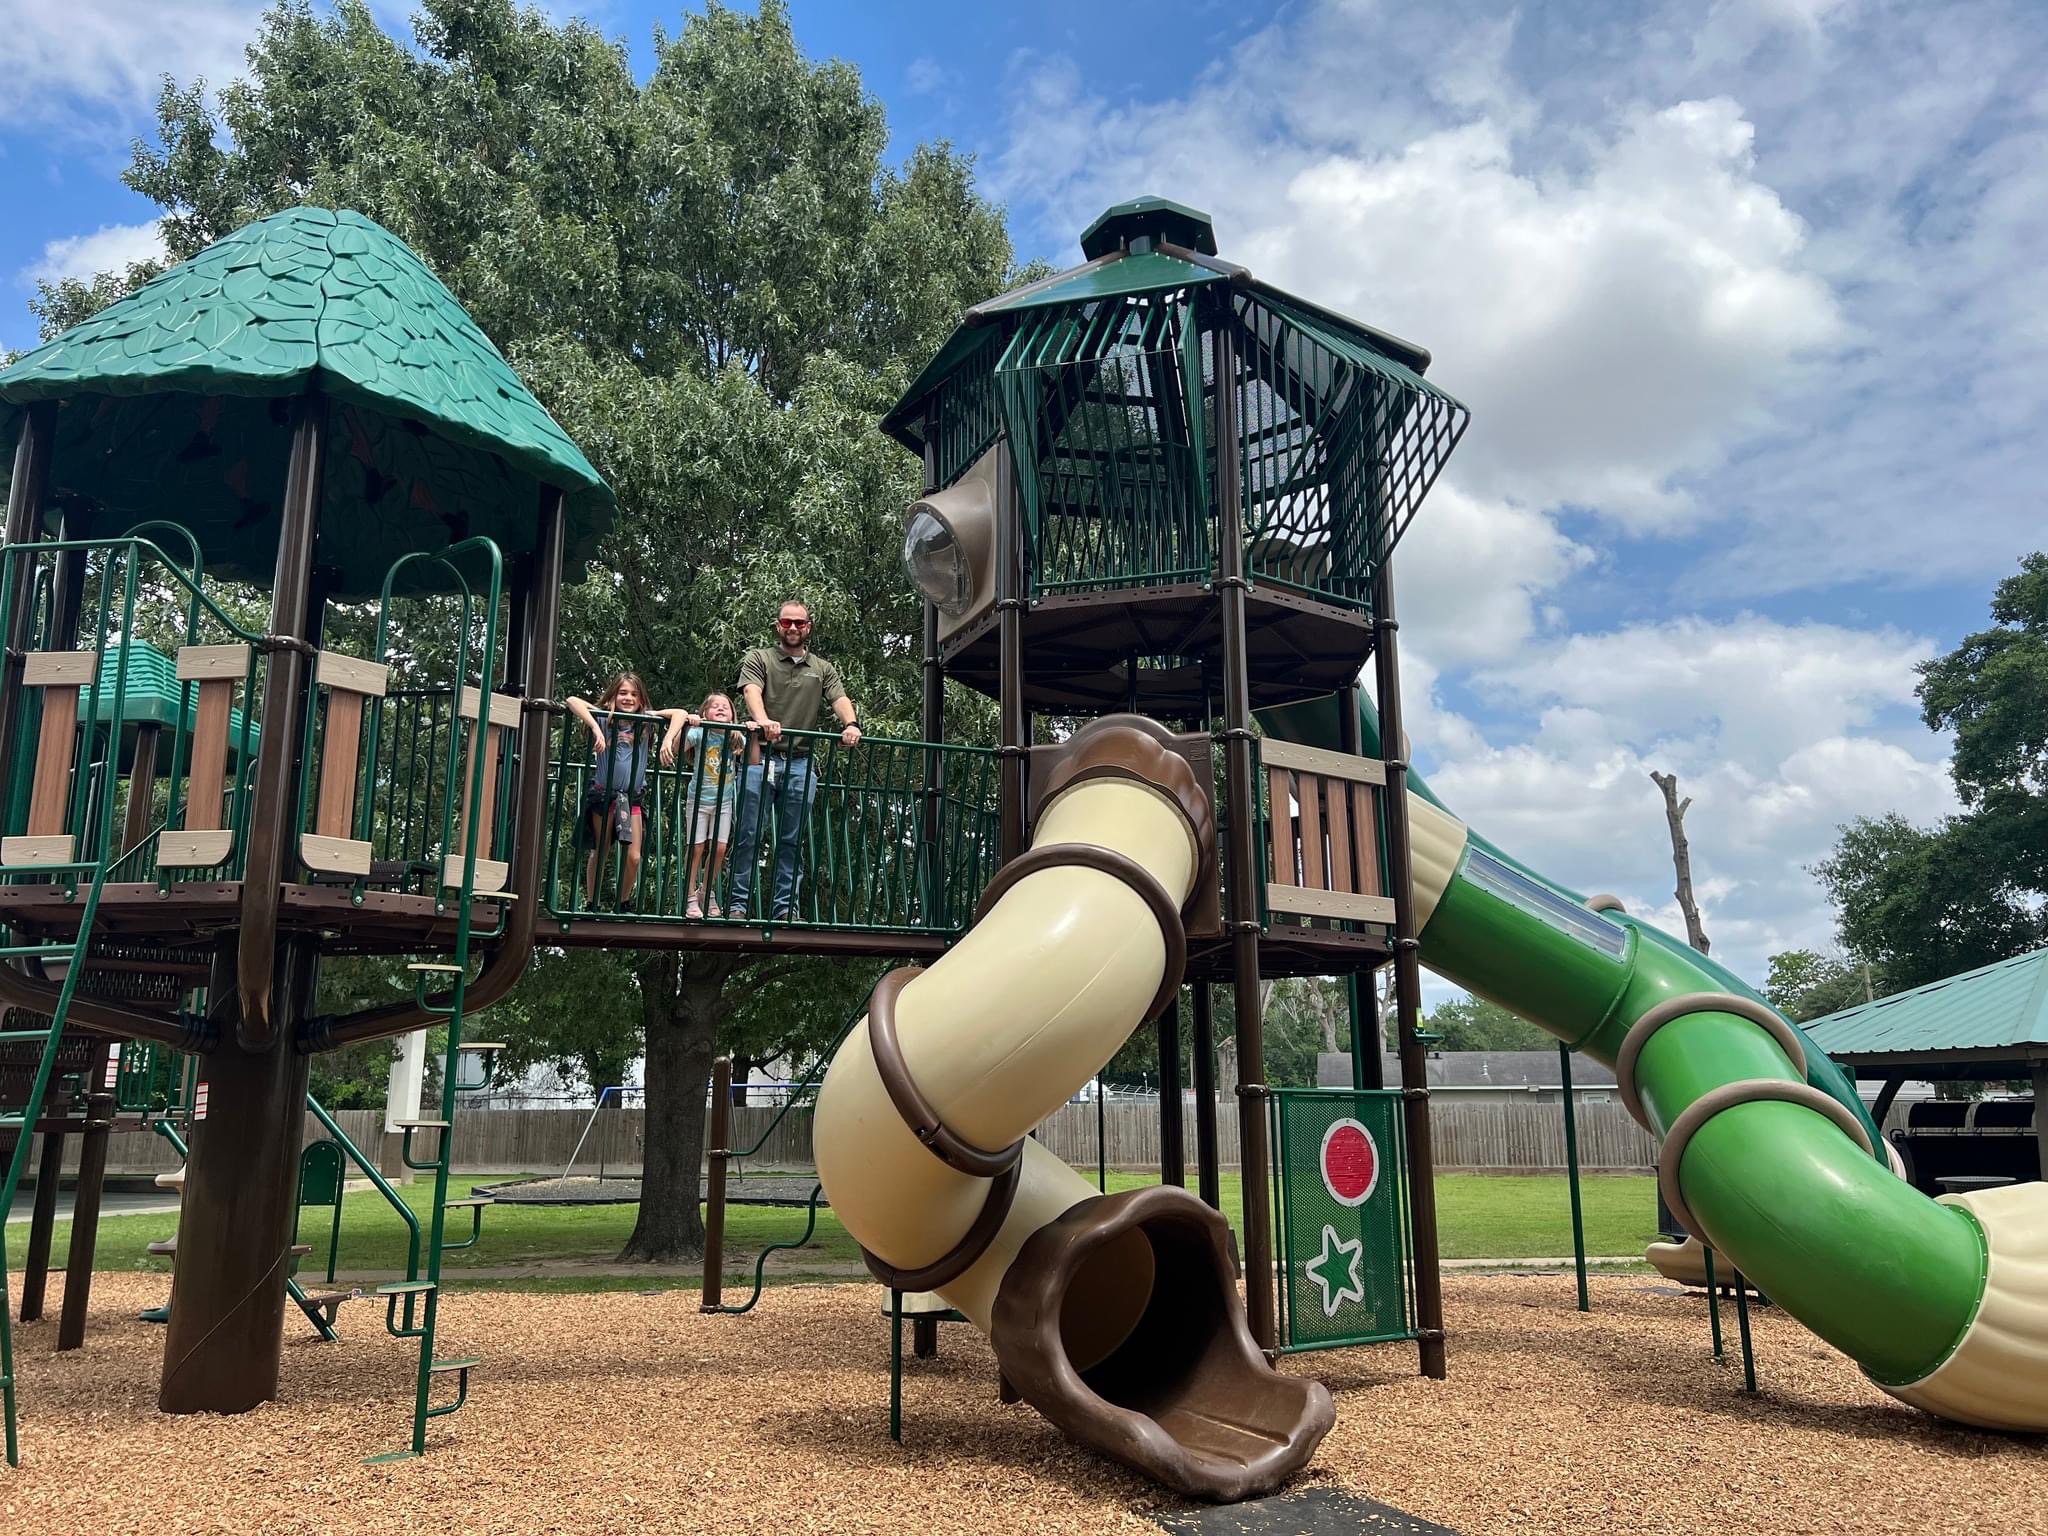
x,y
1743,295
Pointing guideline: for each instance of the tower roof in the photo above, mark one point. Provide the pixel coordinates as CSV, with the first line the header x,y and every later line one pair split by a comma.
x,y
171,406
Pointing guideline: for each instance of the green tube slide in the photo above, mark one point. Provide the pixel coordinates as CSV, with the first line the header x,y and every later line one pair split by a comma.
x,y
1769,1156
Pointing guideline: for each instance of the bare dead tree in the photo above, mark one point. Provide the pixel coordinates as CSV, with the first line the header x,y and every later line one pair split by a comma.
x,y
1681,857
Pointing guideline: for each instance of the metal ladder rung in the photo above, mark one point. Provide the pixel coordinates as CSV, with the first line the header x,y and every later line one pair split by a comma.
x,y
465,1363
434,965
407,1288
36,951
9,1036
476,1203
421,1125
480,1046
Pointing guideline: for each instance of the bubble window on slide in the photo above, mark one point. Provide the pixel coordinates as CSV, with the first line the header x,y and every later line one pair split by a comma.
x,y
1539,901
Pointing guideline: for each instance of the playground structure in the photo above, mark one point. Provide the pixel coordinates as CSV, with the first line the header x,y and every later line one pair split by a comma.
x,y
1160,496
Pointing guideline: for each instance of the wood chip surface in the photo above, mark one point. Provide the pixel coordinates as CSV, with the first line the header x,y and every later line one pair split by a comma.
x,y
623,1412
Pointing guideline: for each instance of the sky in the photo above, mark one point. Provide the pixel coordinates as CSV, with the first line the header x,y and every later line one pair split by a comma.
x,y
1743,296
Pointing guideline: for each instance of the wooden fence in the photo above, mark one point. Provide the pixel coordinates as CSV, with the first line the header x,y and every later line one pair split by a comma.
x,y
1510,1135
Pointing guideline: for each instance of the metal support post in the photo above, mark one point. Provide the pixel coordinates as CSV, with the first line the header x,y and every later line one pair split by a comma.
x,y
1173,1158
1241,856
1571,1163
1429,1298
1208,1177
716,1160
1015,722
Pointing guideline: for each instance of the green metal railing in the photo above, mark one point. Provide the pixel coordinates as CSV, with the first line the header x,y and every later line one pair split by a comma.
x,y
151,1080
168,597
1109,405
890,836
474,657
1098,404
89,821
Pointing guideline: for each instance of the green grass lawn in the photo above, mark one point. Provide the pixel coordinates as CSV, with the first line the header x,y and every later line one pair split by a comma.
x,y
1480,1216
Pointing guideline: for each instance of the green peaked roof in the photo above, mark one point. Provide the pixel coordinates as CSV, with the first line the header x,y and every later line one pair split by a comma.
x,y
172,406
1996,1012
1160,217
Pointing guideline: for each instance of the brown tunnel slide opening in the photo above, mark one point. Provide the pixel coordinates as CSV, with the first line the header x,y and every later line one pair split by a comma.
x,y
1120,1321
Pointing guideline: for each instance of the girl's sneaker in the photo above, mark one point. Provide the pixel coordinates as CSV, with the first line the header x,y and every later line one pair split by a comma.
x,y
694,912
711,908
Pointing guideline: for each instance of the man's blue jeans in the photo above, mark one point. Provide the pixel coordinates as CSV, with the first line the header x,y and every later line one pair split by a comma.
x,y
791,795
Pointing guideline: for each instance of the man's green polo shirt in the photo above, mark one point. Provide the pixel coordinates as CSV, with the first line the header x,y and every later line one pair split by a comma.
x,y
794,689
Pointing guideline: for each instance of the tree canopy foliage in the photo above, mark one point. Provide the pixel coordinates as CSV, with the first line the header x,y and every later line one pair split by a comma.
x,y
1922,903
1804,984
715,283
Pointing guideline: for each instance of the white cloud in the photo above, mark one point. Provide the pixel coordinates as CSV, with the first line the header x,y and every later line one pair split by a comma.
x,y
110,248
1779,733
1614,324
925,75
93,66
1744,299
1453,618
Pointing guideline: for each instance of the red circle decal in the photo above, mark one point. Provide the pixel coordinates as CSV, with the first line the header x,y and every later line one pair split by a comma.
x,y
1351,1162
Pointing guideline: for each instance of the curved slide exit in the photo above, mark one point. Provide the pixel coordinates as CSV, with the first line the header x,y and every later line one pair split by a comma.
x,y
1768,1155
1116,1316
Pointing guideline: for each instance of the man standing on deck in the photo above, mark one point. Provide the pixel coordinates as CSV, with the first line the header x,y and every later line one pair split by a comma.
x,y
784,687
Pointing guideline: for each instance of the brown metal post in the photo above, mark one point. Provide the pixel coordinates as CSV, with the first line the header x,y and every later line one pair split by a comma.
x,y
1208,1176
1173,1156
225,1344
141,786
272,820
1367,1070
715,1161
35,1264
85,1205
25,491
1241,855
1429,1297
1015,722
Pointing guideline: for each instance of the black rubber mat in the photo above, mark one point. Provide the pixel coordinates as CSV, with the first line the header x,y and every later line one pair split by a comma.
x,y
1304,1512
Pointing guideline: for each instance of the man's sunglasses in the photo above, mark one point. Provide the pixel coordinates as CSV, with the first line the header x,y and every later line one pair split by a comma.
x,y
793,623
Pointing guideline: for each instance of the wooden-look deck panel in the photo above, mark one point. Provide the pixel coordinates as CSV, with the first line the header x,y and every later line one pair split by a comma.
x,y
1308,794
203,794
341,744
55,746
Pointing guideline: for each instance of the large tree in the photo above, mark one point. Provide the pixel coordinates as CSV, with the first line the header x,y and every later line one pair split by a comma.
x,y
716,284
1923,903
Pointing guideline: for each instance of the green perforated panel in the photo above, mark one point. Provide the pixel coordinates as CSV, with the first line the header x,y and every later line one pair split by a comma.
x,y
1341,1171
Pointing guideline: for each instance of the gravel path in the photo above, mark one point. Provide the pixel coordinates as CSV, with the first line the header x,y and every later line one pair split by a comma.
x,y
627,1413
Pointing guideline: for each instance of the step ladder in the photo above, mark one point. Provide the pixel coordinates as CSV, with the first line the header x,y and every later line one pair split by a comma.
x,y
23,1120
413,1305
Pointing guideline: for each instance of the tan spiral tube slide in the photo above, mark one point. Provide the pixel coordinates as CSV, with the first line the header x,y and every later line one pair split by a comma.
x,y
1115,1316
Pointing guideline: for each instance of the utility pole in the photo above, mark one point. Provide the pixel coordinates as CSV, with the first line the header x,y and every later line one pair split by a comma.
x,y
1681,857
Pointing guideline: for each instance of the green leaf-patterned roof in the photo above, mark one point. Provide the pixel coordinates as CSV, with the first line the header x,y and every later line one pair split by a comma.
x,y
172,406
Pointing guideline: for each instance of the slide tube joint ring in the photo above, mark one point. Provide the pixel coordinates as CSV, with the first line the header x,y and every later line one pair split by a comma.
x,y
1759,1014
1755,1090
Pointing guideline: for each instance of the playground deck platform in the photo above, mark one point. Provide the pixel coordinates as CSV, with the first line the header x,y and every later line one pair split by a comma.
x,y
623,1412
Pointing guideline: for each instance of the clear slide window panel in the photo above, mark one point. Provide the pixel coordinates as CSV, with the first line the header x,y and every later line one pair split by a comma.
x,y
1497,879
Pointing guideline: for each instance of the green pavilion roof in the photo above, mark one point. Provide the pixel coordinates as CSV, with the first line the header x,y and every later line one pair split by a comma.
x,y
173,405
1998,1013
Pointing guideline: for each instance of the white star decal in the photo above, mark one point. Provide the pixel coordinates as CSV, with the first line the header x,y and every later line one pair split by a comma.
x,y
1323,1267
